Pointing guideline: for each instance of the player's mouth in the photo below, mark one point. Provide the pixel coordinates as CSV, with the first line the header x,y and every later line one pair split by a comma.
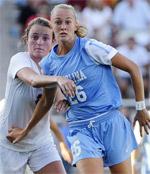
x,y
63,34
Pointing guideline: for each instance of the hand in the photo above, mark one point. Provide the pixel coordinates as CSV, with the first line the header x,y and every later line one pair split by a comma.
x,y
65,152
67,86
143,118
16,134
62,105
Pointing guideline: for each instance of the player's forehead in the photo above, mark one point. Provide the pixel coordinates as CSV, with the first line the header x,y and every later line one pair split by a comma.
x,y
62,13
40,29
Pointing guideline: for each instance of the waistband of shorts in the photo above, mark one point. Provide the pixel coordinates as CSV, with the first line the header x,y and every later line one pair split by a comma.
x,y
100,117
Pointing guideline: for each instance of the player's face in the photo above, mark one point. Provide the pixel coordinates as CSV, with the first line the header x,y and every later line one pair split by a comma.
x,y
64,25
39,41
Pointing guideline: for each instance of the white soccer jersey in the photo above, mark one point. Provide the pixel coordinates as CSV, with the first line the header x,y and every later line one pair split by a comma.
x,y
20,102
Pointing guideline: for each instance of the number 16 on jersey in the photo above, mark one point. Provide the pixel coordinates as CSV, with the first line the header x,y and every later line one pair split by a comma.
x,y
79,97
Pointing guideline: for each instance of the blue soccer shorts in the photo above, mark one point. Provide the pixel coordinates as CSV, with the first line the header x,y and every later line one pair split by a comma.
x,y
108,136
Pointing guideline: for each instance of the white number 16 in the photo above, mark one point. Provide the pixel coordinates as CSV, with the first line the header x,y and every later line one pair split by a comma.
x,y
80,95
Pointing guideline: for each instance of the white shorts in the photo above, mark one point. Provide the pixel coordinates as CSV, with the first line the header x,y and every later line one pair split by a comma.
x,y
13,162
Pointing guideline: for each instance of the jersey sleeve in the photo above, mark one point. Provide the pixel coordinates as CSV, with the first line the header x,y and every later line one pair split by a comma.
x,y
100,52
17,62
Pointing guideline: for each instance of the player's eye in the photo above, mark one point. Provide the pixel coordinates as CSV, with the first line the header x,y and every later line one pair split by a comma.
x,y
58,22
68,22
35,37
45,38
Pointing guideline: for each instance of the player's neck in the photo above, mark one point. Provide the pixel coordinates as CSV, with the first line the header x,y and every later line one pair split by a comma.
x,y
64,48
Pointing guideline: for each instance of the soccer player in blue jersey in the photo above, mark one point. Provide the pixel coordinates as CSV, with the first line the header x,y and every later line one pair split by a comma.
x,y
99,133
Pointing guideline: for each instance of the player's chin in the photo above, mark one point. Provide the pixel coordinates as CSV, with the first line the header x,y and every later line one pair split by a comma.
x,y
40,53
38,56
64,38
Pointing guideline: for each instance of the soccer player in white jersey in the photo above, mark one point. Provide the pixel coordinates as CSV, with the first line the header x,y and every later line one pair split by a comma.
x,y
99,133
24,86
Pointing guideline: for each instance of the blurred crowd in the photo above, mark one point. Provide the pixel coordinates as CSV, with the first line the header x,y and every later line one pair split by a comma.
x,y
124,24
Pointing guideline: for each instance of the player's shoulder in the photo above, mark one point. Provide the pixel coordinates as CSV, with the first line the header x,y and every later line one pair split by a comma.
x,y
19,58
20,55
94,44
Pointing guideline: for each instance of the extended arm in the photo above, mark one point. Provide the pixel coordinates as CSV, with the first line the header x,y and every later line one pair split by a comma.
x,y
35,80
50,83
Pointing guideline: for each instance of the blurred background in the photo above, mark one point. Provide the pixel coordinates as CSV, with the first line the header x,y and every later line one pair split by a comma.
x,y
124,24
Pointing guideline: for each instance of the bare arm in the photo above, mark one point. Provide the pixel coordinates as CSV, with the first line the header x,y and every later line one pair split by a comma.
x,y
35,80
65,152
123,63
61,104
56,131
127,65
50,83
30,77
42,107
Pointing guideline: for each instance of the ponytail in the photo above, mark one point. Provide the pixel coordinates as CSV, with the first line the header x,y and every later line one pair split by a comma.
x,y
81,31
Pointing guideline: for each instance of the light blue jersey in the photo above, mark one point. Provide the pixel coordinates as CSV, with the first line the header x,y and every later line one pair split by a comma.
x,y
94,116
88,64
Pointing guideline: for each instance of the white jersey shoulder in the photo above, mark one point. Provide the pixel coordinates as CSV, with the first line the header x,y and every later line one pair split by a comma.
x,y
100,52
17,62
20,55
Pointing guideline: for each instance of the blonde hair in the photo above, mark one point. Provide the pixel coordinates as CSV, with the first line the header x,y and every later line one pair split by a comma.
x,y
81,30
37,21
